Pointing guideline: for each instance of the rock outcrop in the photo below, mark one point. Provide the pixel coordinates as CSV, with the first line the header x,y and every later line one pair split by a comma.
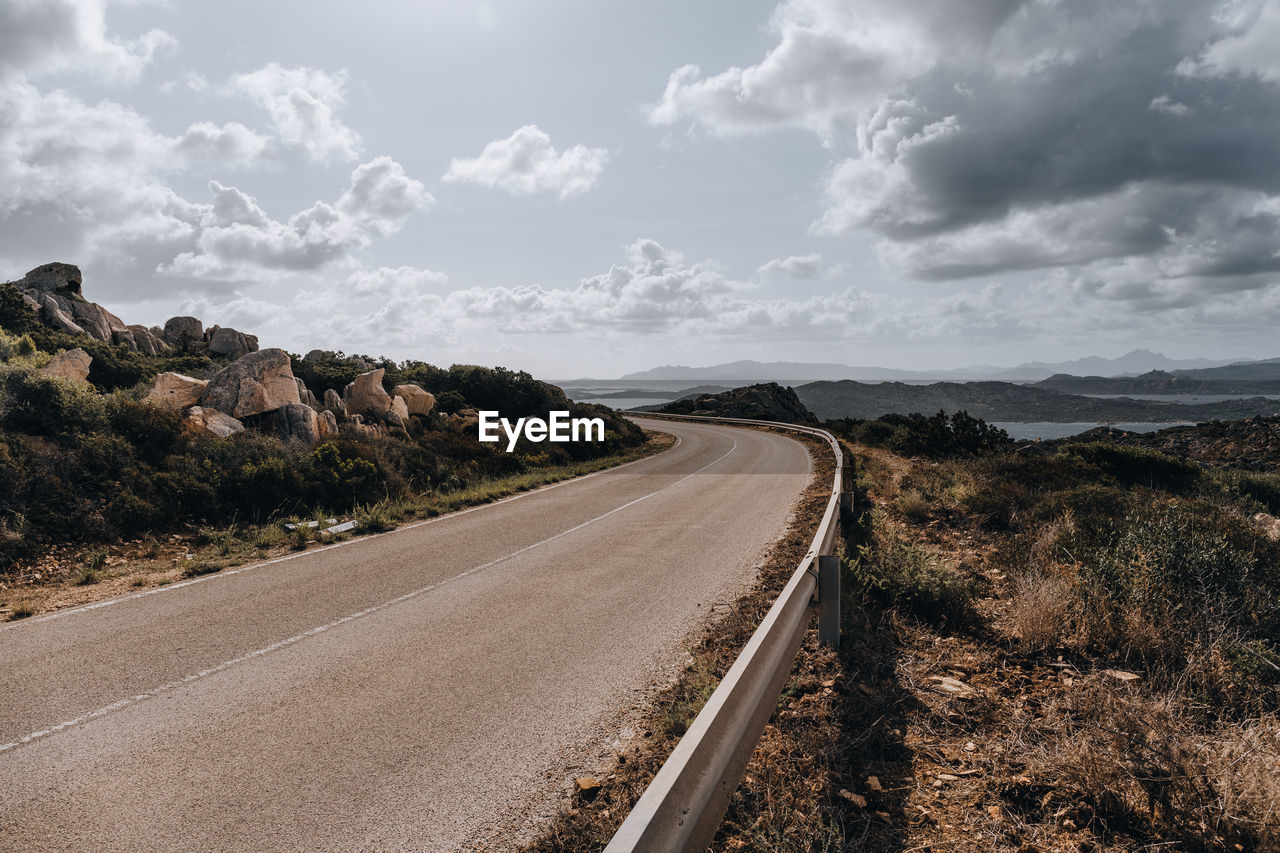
x,y
333,402
327,424
182,332
211,421
305,395
259,382
417,401
51,314
768,401
365,395
400,408
72,364
300,422
57,278
229,342
148,342
175,391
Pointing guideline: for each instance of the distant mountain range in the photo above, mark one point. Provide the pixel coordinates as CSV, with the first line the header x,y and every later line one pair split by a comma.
x,y
1130,364
1005,401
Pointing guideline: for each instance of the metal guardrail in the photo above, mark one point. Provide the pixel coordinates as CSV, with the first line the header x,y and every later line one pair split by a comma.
x,y
685,803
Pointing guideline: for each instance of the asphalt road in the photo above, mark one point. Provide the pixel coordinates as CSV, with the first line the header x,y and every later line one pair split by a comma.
x,y
423,689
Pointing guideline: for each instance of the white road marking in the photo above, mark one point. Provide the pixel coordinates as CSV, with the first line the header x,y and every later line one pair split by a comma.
x,y
297,638
226,573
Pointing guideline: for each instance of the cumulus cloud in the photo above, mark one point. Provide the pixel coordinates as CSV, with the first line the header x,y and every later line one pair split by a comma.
x,y
302,104
798,267
526,162
1014,135
235,239
43,36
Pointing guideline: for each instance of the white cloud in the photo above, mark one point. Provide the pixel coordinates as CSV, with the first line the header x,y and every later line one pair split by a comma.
x,y
302,104
1247,45
44,36
526,162
798,267
235,239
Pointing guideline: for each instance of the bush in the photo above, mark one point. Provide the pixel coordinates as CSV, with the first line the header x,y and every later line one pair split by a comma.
x,y
897,575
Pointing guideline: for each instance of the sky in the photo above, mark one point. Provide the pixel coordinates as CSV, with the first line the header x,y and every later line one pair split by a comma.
x,y
586,188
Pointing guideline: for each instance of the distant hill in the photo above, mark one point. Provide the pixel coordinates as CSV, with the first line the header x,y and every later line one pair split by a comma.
x,y
1256,378
1006,401
768,401
1131,363
773,371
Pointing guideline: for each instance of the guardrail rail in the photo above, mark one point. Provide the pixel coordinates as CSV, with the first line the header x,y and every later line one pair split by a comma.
x,y
686,802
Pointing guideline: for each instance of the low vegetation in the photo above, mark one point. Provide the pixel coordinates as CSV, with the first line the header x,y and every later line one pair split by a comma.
x,y
1081,637
85,468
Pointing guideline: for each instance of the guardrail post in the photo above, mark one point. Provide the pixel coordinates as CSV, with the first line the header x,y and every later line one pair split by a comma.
x,y
829,601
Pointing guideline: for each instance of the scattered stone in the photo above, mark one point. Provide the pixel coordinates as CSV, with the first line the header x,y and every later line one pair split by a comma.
x,y
211,421
365,395
587,787
857,799
174,391
72,364
1122,675
417,401
952,685
259,382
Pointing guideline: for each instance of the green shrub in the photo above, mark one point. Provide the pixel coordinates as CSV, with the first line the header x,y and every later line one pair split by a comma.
x,y
897,575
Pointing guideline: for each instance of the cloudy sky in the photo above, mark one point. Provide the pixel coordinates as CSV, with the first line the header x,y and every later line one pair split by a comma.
x,y
577,187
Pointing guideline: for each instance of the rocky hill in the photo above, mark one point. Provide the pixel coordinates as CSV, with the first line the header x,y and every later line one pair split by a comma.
x,y
1252,444
1265,381
769,401
1005,401
110,431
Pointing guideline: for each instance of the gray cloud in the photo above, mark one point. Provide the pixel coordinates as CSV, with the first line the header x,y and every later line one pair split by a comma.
x,y
1005,136
798,267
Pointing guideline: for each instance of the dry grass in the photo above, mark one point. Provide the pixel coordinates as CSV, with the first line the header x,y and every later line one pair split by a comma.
x,y
1039,611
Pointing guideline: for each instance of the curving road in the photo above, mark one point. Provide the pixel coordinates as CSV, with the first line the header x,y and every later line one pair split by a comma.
x,y
423,689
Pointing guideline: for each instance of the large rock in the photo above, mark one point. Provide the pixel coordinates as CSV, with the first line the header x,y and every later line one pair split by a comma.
x,y
327,423
146,341
417,401
181,332
31,300
211,421
305,395
91,318
175,391
53,278
229,342
400,408
333,402
300,422
73,364
259,382
53,315
365,395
